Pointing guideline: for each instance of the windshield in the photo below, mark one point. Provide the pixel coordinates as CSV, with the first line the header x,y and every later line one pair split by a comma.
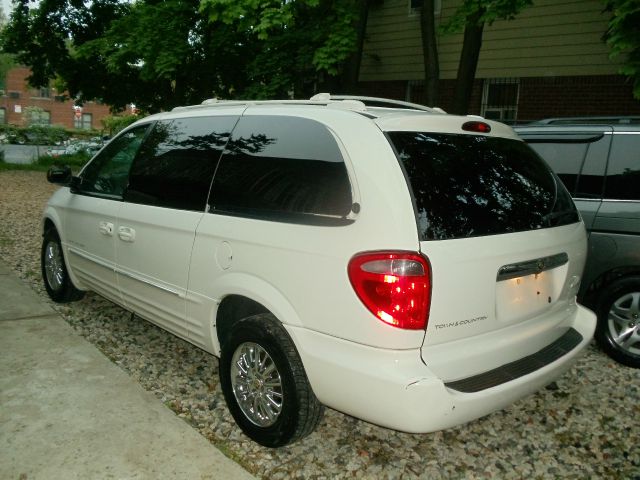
x,y
471,185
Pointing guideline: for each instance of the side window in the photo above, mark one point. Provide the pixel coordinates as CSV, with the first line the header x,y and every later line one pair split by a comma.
x,y
591,181
176,163
107,173
623,172
564,158
283,169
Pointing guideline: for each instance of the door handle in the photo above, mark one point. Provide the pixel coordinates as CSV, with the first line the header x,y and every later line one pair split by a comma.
x,y
127,234
105,228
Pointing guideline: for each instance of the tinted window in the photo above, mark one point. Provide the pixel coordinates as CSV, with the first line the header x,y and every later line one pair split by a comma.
x,y
623,172
591,180
108,171
578,159
176,163
467,186
565,158
281,168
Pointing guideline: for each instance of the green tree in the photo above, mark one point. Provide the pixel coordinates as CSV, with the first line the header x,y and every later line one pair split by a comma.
x,y
299,46
156,54
114,123
175,52
623,37
472,16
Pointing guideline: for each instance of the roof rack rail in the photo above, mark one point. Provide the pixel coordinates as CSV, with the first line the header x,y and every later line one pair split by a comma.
x,y
347,102
377,102
589,120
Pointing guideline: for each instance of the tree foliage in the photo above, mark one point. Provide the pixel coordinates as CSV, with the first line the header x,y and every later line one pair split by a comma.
x,y
159,54
623,37
297,45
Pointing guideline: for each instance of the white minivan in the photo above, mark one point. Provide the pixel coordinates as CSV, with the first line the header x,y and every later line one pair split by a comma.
x,y
411,268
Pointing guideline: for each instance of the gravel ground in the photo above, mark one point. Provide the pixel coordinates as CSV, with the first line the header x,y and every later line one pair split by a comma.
x,y
585,425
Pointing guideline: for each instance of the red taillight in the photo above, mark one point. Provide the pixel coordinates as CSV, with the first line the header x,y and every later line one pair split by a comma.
x,y
474,126
394,286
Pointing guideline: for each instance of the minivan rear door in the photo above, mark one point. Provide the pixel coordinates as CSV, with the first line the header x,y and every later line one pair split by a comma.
x,y
501,233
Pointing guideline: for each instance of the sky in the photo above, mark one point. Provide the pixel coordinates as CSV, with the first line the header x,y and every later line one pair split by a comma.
x,y
6,7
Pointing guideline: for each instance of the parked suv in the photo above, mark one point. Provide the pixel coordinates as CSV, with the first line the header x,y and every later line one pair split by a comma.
x,y
600,166
411,268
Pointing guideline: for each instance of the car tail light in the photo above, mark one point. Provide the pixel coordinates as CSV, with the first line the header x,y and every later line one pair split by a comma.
x,y
394,286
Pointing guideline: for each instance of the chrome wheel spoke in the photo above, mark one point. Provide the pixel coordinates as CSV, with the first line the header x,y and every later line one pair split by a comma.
x,y
624,336
630,340
624,322
256,384
53,266
618,313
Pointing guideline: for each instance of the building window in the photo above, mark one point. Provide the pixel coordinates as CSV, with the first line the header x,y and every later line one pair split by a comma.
x,y
42,92
83,121
40,117
14,94
3,116
500,99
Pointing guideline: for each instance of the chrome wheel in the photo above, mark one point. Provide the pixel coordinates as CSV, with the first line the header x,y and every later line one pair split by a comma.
x,y
54,266
624,322
256,384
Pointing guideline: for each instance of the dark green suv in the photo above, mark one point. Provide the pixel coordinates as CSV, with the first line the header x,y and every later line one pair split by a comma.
x,y
600,165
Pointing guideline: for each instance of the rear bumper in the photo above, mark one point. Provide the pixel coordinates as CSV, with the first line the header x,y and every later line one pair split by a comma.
x,y
393,388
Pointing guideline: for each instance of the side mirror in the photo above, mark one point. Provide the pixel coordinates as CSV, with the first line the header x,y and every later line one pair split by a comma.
x,y
59,175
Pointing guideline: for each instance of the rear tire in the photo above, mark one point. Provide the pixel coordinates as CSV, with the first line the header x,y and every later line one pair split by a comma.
x,y
54,271
618,330
265,385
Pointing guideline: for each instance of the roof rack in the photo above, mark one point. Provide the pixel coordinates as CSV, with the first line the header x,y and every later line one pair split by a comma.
x,y
595,120
347,102
377,102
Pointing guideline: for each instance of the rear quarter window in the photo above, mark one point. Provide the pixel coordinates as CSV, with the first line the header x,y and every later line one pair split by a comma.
x,y
623,171
284,169
579,159
470,185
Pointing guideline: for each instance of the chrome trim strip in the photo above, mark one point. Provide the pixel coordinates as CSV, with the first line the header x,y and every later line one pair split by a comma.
x,y
133,276
141,279
531,267
91,258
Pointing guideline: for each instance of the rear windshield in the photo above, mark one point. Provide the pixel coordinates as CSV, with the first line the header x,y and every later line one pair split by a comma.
x,y
470,185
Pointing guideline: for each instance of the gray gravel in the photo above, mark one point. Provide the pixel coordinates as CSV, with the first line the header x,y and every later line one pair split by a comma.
x,y
585,425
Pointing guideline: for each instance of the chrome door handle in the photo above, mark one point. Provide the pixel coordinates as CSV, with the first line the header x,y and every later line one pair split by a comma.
x,y
105,228
127,234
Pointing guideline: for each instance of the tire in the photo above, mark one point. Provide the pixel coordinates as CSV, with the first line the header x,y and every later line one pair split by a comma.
x,y
618,330
54,271
272,402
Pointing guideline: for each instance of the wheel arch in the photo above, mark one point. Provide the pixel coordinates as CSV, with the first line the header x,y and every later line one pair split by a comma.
x,y
591,293
51,219
231,310
244,295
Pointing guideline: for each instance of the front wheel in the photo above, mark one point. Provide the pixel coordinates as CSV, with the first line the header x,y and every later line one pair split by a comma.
x,y
265,385
618,330
54,271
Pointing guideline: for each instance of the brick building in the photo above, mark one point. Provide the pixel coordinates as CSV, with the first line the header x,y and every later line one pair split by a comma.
x,y
550,61
57,109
